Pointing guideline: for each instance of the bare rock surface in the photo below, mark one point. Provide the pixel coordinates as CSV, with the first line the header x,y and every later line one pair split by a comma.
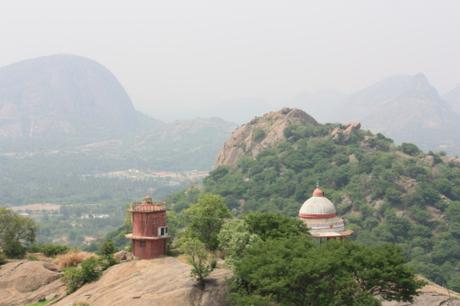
x,y
260,133
346,132
157,282
23,282
431,295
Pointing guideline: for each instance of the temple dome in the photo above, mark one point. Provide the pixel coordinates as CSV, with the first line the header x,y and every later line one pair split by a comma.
x,y
318,206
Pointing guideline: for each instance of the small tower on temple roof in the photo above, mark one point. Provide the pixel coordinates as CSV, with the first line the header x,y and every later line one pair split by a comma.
x,y
150,231
318,213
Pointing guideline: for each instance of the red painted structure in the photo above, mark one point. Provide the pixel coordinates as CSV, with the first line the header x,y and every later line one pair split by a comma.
x,y
150,231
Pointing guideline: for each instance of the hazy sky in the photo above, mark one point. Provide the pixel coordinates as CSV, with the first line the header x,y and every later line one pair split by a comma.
x,y
185,58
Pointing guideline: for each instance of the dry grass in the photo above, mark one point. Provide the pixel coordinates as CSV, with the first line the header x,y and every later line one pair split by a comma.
x,y
72,259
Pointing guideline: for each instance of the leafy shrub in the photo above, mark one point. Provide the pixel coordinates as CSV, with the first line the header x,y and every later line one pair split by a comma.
x,y
51,250
75,277
107,261
107,248
258,135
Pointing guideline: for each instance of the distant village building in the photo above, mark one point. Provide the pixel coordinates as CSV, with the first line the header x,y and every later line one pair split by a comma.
x,y
320,216
150,231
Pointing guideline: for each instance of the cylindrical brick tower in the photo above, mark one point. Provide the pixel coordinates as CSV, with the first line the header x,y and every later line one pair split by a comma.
x,y
150,232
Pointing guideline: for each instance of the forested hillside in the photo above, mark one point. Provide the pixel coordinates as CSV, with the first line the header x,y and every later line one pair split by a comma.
x,y
387,193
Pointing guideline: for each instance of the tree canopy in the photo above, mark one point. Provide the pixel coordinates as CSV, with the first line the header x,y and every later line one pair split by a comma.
x,y
294,271
17,233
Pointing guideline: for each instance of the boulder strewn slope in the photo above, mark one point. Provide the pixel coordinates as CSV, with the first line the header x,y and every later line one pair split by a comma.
x,y
158,282
260,133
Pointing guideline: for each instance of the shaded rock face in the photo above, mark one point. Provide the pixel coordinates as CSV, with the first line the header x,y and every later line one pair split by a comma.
x,y
157,282
25,282
61,95
260,133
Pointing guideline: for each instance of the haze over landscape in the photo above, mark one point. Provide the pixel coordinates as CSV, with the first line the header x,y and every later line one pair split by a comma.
x,y
187,59
223,118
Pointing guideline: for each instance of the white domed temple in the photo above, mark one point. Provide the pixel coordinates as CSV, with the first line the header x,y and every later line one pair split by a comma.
x,y
319,215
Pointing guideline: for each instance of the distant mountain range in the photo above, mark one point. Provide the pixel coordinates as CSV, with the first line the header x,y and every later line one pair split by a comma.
x,y
62,95
67,102
405,108
65,119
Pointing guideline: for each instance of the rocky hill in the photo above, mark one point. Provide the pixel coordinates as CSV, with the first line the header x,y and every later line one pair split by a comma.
x,y
260,133
406,108
62,95
163,281
387,193
66,119
25,282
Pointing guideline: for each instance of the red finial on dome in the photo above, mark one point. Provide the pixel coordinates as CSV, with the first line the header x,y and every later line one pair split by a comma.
x,y
318,192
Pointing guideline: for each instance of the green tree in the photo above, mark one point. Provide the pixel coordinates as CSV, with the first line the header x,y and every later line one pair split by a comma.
x,y
410,149
268,225
294,271
205,219
17,233
107,248
199,258
88,271
234,237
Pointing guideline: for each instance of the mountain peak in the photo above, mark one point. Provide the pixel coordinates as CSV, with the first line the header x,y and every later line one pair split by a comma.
x,y
260,133
59,95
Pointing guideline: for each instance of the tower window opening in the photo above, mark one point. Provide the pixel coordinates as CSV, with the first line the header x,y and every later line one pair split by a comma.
x,y
162,231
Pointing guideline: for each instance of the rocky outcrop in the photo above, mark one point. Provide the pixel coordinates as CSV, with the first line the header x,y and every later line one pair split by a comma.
x,y
431,295
343,135
24,282
157,282
260,133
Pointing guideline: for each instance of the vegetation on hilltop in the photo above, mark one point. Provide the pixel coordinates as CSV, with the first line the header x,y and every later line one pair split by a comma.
x,y
387,193
275,262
